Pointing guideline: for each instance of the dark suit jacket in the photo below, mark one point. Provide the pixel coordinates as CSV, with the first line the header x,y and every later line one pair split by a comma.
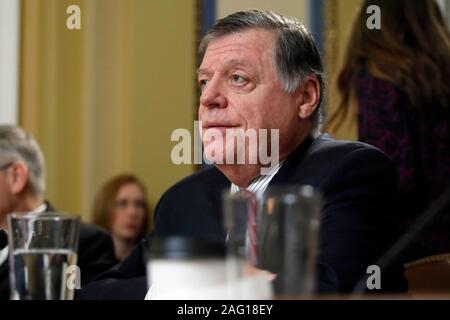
x,y
95,255
358,183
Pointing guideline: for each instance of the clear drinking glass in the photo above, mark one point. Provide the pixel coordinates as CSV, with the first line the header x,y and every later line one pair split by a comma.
x,y
245,279
43,247
288,225
238,209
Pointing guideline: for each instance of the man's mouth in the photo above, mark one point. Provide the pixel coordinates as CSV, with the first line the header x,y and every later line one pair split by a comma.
x,y
222,126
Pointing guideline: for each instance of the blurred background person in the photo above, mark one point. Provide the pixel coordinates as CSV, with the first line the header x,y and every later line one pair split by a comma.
x,y
395,95
22,189
121,207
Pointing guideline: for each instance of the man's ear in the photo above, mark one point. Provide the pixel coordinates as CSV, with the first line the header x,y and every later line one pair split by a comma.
x,y
18,177
308,97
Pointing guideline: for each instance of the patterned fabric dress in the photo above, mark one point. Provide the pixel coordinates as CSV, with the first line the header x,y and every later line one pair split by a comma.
x,y
418,142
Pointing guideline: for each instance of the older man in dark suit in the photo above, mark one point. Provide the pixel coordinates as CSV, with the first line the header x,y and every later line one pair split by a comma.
x,y
260,70
22,186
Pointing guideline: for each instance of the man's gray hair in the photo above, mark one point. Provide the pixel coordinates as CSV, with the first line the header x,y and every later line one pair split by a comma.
x,y
19,145
296,54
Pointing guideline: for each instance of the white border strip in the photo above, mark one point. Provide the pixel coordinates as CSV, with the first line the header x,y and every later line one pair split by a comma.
x,y
9,60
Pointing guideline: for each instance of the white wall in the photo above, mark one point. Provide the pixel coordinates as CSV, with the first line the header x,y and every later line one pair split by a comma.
x,y
293,8
9,60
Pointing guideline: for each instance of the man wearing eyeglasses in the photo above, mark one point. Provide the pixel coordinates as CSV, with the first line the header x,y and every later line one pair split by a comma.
x,y
22,188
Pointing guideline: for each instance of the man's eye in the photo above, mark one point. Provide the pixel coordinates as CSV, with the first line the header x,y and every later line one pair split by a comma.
x,y
202,83
237,79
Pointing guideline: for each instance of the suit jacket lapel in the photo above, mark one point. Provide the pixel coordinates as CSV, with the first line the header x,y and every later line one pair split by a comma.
x,y
292,164
220,186
49,208
4,275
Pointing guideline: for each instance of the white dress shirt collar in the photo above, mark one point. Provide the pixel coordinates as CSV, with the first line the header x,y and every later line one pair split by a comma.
x,y
259,184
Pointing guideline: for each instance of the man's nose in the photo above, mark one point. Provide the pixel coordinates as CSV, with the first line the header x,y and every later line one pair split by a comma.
x,y
213,95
